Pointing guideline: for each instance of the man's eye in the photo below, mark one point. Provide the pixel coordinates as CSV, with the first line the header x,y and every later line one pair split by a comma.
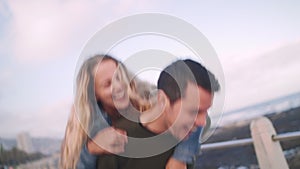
x,y
194,112
118,77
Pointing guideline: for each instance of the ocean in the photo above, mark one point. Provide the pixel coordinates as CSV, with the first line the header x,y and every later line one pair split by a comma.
x,y
273,106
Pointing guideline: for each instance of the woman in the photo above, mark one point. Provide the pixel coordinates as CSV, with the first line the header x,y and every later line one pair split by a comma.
x,y
103,91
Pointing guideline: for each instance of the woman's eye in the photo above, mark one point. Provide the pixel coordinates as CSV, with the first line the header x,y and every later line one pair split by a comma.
x,y
106,84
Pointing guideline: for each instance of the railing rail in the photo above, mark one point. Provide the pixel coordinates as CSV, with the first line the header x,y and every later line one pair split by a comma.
x,y
248,141
287,136
266,144
226,144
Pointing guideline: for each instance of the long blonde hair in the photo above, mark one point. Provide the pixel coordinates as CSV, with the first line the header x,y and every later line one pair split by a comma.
x,y
85,107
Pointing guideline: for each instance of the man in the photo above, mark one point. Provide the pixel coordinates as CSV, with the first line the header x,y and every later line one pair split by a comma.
x,y
185,93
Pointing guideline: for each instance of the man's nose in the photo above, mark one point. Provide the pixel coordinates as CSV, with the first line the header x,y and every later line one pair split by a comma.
x,y
201,119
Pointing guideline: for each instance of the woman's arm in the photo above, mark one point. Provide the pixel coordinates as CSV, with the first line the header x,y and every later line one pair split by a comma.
x,y
106,141
86,159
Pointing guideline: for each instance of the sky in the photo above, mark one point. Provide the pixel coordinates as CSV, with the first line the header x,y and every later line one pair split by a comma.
x,y
257,43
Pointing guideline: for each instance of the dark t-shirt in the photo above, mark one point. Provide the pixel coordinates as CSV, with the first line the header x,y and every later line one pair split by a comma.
x,y
154,151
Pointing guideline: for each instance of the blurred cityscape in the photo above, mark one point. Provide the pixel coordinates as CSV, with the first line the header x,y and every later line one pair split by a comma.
x,y
26,152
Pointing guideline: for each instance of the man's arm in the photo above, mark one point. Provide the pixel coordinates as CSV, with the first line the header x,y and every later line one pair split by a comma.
x,y
186,151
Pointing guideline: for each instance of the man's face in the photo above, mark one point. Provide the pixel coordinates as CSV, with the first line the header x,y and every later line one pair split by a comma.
x,y
189,112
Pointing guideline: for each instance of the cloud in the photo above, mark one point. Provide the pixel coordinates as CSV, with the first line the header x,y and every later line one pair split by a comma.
x,y
282,57
8,124
49,29
6,76
53,28
39,30
262,77
50,33
49,121
4,11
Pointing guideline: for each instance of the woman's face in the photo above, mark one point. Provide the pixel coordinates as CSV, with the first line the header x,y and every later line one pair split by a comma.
x,y
109,89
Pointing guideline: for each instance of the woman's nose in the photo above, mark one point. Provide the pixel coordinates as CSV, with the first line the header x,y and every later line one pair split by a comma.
x,y
117,86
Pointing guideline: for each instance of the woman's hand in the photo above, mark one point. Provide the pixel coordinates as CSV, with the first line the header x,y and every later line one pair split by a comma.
x,y
108,141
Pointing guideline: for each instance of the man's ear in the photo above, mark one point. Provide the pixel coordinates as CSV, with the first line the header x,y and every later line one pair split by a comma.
x,y
163,100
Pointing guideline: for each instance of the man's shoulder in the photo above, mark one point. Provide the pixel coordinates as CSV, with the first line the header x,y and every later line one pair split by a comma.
x,y
134,128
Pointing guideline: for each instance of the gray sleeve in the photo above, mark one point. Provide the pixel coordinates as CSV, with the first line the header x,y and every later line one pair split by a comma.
x,y
86,159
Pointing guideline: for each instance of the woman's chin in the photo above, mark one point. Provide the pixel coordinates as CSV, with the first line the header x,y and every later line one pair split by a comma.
x,y
121,105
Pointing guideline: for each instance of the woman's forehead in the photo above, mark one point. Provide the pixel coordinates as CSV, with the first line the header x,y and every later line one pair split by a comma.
x,y
106,69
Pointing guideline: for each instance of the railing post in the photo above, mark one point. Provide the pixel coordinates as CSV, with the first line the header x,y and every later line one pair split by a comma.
x,y
269,153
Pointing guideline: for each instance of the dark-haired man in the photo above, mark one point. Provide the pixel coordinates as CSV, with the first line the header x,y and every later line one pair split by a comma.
x,y
185,93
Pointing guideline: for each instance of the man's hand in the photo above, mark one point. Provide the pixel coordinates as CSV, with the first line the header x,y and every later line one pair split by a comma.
x,y
175,164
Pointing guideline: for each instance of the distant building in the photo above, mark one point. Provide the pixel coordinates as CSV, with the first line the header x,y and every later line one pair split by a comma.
x,y
24,142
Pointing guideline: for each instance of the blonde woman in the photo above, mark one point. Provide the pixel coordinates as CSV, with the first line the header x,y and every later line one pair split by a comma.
x,y
104,94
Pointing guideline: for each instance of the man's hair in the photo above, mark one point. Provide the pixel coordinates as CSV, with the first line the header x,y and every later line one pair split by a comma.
x,y
174,78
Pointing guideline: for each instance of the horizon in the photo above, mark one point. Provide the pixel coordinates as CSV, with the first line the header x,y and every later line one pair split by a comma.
x,y
225,122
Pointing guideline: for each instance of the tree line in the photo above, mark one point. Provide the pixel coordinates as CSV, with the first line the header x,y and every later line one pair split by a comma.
x,y
16,157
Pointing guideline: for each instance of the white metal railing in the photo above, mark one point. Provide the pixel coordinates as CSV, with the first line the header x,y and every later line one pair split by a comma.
x,y
287,136
226,144
248,141
266,144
